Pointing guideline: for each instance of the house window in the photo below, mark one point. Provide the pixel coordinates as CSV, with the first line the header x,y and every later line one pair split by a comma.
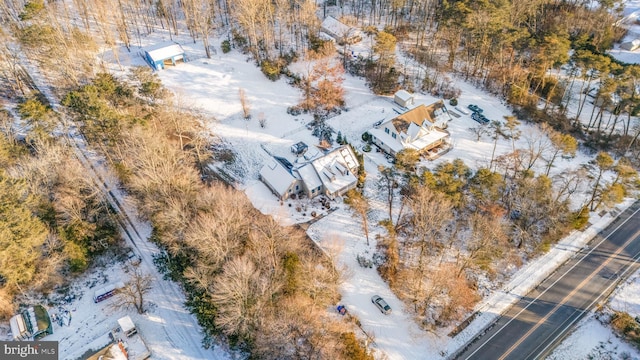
x,y
297,187
393,135
318,188
313,191
386,130
290,190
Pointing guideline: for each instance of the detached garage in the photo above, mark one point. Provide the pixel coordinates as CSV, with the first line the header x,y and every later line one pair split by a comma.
x,y
160,55
403,98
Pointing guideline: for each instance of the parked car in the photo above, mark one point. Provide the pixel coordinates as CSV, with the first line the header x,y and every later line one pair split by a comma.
x,y
381,304
480,118
475,108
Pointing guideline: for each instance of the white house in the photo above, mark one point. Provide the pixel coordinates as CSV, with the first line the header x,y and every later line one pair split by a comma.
x,y
421,128
331,174
403,98
339,31
280,179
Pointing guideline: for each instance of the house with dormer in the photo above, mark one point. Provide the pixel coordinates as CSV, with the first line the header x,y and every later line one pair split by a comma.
x,y
422,128
331,174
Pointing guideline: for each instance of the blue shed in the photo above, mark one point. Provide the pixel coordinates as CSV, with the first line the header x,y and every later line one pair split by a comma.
x,y
159,55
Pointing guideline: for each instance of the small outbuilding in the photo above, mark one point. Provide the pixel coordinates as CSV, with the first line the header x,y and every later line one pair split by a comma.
x,y
160,55
403,98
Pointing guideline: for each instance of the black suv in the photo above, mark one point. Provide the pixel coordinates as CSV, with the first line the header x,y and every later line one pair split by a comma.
x,y
475,108
480,118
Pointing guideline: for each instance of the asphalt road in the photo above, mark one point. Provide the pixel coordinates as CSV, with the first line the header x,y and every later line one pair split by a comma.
x,y
535,325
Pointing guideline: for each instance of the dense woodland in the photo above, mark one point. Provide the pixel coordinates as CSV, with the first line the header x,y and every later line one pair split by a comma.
x,y
53,219
264,288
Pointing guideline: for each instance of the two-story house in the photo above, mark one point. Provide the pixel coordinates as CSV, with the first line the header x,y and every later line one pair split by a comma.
x,y
331,174
421,128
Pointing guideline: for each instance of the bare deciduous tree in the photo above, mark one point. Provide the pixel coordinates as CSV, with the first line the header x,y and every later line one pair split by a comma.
x,y
135,291
360,205
246,110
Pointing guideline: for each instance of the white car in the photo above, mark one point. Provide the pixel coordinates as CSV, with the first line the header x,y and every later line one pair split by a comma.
x,y
381,304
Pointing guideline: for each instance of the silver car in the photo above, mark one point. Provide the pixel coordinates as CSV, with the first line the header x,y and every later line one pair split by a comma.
x,y
381,304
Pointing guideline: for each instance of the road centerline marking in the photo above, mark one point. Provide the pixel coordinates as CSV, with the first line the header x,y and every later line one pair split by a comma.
x,y
570,295
566,272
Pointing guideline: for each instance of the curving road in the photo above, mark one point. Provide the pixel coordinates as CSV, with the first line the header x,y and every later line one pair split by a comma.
x,y
537,323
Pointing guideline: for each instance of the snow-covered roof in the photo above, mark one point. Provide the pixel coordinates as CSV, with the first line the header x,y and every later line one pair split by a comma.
x,y
164,51
393,144
278,178
18,327
403,95
299,147
337,169
427,139
309,176
126,324
414,128
105,289
334,27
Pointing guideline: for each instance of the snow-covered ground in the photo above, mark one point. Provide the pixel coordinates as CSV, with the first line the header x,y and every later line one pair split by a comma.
x,y
395,336
213,85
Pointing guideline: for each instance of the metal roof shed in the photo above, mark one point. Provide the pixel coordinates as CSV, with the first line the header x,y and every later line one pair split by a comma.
x,y
162,54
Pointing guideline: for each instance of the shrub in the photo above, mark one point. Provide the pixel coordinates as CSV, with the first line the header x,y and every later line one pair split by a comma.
x,y
32,9
294,110
271,69
453,102
366,137
239,40
291,265
353,349
580,218
226,46
626,325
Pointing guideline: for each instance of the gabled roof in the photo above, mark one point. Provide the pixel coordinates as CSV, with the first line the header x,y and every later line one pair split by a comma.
x,y
164,51
336,28
404,95
337,169
277,177
416,128
309,176
418,115
299,147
